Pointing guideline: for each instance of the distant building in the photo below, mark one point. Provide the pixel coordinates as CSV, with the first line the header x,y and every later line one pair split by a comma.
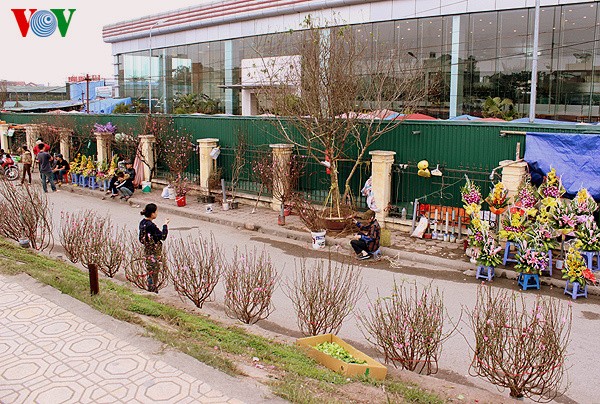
x,y
479,48
36,93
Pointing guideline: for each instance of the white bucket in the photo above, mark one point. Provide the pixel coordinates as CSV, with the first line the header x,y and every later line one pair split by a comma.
x,y
225,206
318,239
146,186
171,193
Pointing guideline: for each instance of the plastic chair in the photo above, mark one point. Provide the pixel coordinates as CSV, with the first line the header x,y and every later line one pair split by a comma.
x,y
508,255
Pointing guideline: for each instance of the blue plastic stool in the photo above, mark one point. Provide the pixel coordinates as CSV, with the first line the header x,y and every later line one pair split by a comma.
x,y
104,185
529,281
75,179
484,272
575,290
549,263
589,258
508,256
377,254
92,183
83,181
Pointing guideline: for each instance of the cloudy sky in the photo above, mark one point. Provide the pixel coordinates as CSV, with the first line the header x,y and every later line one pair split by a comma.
x,y
54,58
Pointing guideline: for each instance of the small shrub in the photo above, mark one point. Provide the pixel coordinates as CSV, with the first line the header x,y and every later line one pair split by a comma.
x,y
406,328
518,347
141,266
324,294
250,280
196,265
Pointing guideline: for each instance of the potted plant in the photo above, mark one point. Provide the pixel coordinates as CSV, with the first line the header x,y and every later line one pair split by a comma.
x,y
498,199
312,219
577,274
181,186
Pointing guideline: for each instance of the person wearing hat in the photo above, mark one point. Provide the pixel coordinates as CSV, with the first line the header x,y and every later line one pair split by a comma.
x,y
36,149
366,241
60,169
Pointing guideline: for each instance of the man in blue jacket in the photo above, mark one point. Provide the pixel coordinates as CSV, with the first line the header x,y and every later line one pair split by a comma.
x,y
366,241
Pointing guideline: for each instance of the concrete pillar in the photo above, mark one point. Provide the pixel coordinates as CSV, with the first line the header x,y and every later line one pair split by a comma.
x,y
228,59
4,136
205,146
65,143
381,173
513,174
103,146
147,143
282,154
32,133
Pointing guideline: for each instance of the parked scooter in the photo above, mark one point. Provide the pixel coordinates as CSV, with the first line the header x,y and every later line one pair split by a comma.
x,y
9,169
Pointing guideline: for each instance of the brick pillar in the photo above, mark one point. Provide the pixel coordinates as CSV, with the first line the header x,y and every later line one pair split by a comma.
x,y
513,173
205,146
4,136
147,143
282,154
103,146
65,143
381,172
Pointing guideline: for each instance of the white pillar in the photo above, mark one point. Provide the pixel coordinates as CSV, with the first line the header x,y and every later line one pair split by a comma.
x,y
4,136
65,143
513,174
282,154
147,143
454,75
205,146
103,146
381,173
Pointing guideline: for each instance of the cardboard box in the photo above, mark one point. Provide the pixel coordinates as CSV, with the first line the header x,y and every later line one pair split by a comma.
x,y
376,369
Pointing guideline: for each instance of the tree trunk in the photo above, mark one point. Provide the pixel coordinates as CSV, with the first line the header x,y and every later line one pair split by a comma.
x,y
334,192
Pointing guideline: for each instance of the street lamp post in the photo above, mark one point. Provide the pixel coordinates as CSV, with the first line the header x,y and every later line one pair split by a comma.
x,y
150,66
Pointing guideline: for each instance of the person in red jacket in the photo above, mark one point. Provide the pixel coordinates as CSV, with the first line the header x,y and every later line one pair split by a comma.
x,y
36,150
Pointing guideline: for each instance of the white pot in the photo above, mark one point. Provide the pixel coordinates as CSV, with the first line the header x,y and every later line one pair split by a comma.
x,y
225,206
559,264
318,239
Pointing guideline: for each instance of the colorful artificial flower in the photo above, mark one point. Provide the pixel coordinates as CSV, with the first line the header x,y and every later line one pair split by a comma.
x,y
530,259
490,253
526,196
575,269
563,218
552,186
514,225
471,195
498,197
589,236
542,235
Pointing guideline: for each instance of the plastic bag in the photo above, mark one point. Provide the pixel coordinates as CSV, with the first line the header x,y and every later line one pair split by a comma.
x,y
421,227
165,192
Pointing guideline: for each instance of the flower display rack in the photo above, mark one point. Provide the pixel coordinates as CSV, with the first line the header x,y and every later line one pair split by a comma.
x,y
575,290
529,281
372,368
485,272
509,255
589,259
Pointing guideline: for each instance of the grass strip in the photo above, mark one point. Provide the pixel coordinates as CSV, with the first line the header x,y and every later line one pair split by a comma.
x,y
207,340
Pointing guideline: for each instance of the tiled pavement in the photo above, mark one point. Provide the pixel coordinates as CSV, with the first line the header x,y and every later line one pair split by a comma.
x,y
50,355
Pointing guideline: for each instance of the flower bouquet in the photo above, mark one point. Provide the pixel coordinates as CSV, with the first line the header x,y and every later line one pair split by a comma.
x,y
514,225
108,128
584,204
575,269
489,255
563,218
102,172
89,169
75,165
543,235
531,260
552,186
527,198
471,197
498,199
589,236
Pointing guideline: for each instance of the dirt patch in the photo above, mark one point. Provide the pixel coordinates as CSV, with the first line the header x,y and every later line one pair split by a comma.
x,y
588,315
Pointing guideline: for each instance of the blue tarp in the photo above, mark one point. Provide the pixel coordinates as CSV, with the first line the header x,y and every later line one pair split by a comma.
x,y
574,156
465,118
78,90
107,106
543,121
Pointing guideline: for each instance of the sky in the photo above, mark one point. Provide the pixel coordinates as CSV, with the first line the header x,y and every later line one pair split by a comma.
x,y
52,59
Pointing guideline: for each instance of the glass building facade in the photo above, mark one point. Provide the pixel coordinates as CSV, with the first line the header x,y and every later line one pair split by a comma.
x,y
474,56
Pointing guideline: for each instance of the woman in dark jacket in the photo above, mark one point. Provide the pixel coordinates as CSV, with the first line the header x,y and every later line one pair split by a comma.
x,y
152,237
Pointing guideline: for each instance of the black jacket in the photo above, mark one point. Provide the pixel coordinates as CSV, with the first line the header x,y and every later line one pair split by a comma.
x,y
149,232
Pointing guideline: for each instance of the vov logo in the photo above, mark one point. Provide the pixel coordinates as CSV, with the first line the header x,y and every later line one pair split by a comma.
x,y
43,23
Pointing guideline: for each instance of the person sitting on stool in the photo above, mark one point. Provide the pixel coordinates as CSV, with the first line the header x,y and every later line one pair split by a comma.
x,y
366,241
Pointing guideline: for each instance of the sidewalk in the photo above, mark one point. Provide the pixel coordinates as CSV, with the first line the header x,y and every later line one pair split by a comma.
x,y
404,250
55,349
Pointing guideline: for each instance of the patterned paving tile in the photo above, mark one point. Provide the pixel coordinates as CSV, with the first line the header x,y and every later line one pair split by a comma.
x,y
49,355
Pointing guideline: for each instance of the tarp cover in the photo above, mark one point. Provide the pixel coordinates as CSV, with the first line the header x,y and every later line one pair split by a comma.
x,y
574,156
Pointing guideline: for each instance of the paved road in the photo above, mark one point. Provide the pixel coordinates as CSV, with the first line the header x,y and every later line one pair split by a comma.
x,y
458,291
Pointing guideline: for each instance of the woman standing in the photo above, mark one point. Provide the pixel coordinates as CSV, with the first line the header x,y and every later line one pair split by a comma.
x,y
27,160
152,237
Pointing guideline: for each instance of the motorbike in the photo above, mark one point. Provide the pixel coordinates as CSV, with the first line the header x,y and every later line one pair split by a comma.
x,y
9,169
